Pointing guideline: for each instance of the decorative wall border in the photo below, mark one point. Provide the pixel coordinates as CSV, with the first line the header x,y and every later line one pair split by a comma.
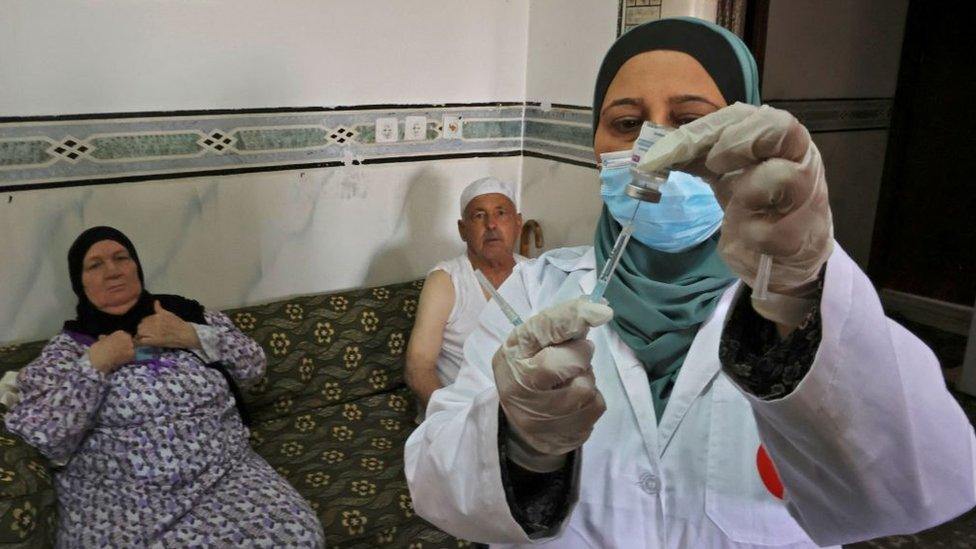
x,y
559,132
46,152
80,150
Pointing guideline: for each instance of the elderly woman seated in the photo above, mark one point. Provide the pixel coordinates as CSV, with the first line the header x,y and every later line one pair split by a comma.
x,y
134,404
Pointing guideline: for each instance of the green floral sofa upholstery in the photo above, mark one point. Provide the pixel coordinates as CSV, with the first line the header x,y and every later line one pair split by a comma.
x,y
331,415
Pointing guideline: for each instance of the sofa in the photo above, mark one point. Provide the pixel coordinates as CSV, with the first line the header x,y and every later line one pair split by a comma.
x,y
331,415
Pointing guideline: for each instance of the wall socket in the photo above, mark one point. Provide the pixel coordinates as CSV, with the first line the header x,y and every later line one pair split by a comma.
x,y
415,128
386,130
452,127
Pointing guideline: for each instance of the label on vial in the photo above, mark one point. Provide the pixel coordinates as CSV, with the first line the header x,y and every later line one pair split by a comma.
x,y
649,135
146,354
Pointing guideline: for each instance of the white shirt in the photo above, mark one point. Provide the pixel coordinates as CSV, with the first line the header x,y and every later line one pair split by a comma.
x,y
469,301
869,444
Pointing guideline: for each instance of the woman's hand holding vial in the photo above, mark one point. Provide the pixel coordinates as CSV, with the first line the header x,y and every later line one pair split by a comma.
x,y
769,179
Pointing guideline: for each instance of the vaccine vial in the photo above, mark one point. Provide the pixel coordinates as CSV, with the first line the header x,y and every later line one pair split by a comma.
x,y
646,186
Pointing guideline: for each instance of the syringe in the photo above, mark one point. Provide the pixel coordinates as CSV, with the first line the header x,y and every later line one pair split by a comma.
x,y
507,309
645,187
761,289
596,296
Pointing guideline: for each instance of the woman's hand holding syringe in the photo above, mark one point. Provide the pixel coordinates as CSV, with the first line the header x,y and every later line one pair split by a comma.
x,y
546,386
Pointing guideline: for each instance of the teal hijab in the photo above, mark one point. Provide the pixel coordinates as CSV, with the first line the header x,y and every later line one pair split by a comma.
x,y
661,299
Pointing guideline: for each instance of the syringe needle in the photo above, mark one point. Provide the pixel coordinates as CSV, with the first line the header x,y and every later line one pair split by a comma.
x,y
634,216
606,273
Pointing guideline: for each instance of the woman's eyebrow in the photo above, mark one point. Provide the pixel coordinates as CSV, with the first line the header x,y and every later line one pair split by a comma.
x,y
692,98
634,101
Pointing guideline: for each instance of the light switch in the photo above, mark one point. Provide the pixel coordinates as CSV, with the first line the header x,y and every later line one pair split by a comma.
x,y
452,127
415,128
386,130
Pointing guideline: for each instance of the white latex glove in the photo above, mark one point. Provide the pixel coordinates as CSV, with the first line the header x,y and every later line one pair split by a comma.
x,y
546,386
769,178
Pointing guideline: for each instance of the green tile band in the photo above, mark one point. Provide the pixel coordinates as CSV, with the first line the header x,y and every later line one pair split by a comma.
x,y
122,147
367,134
497,129
16,153
562,133
280,139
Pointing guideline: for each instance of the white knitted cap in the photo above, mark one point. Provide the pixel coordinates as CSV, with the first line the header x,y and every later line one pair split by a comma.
x,y
487,185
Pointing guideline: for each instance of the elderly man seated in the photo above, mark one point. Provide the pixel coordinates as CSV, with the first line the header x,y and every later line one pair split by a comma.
x,y
452,299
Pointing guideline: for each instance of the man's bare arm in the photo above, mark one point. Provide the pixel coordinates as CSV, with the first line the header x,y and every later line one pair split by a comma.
x,y
433,311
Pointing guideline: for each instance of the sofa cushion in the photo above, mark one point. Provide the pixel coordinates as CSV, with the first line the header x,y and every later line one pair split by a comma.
x,y
347,460
330,349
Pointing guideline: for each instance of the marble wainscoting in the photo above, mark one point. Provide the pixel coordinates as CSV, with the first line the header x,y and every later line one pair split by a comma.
x,y
568,215
239,239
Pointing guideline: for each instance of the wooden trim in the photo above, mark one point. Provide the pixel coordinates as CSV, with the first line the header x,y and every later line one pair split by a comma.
x,y
757,22
967,380
948,317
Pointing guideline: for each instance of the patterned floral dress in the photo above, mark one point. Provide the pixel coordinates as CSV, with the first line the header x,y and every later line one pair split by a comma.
x,y
154,454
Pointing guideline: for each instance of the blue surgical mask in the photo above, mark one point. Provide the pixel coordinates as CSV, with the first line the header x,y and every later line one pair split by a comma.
x,y
686,216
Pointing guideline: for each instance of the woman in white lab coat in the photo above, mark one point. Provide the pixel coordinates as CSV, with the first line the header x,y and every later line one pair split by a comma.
x,y
698,416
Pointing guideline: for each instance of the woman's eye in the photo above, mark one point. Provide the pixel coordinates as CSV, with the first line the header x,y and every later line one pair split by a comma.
x,y
681,120
93,266
627,125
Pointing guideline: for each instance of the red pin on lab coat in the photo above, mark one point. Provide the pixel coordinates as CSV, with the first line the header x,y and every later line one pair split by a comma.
x,y
768,474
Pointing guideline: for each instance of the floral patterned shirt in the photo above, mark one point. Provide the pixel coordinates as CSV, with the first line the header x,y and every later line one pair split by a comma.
x,y
155,452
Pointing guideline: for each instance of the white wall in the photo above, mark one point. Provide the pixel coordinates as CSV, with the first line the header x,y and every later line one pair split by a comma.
x,y
89,56
565,47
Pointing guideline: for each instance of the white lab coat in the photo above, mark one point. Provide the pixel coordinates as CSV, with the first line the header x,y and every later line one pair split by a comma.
x,y
870,443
